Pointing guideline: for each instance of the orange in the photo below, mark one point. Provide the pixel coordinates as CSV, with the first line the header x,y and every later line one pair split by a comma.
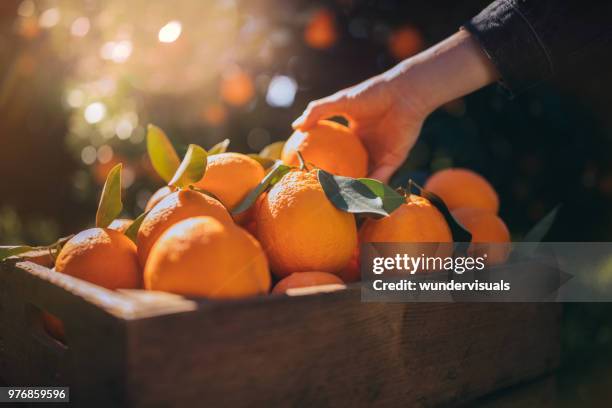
x,y
321,31
101,256
301,230
237,87
202,256
415,221
351,272
490,235
405,42
176,207
306,279
463,188
329,146
120,224
54,326
158,196
230,177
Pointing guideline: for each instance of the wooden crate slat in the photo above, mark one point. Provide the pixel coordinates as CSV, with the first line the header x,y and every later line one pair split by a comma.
x,y
329,349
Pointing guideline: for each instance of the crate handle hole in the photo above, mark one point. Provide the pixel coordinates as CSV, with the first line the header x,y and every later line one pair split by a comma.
x,y
46,326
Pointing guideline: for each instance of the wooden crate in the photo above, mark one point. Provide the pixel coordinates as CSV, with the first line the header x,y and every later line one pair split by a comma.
x,y
137,348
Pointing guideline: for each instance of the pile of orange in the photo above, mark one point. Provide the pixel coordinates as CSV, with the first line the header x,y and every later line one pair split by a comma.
x,y
189,242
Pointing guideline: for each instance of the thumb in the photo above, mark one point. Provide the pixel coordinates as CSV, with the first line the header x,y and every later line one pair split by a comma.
x,y
320,109
383,173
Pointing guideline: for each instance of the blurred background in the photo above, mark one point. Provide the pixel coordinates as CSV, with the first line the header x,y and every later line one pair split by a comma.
x,y
80,80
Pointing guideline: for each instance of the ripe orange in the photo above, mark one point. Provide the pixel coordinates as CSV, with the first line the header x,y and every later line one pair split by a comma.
x,y
329,146
102,256
237,87
230,177
490,235
301,230
351,272
158,196
202,256
306,279
321,31
463,188
98,255
415,221
175,207
120,224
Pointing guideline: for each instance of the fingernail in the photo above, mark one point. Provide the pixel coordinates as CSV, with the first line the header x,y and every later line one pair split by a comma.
x,y
299,121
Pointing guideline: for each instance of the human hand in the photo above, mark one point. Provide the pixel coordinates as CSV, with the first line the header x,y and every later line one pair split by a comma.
x,y
387,121
387,111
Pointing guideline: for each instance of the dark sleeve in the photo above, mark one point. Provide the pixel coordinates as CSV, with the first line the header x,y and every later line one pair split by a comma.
x,y
532,40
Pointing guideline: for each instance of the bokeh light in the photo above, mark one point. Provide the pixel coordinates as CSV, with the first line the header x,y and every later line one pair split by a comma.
x,y
321,31
95,112
405,42
237,87
170,32
281,91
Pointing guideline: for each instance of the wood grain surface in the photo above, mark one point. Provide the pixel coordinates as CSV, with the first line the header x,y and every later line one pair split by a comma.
x,y
136,348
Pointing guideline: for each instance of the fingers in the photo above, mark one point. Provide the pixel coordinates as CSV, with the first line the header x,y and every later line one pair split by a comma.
x,y
383,173
321,109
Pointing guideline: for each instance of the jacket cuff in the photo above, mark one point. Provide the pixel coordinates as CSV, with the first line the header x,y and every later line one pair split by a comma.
x,y
512,44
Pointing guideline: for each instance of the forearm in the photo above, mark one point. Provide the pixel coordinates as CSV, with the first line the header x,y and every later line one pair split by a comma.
x,y
451,69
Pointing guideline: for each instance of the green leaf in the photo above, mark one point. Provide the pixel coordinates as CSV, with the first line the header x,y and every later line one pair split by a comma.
x,y
192,167
539,231
8,251
391,199
163,157
359,196
272,151
220,147
264,161
535,236
132,231
110,205
460,234
273,176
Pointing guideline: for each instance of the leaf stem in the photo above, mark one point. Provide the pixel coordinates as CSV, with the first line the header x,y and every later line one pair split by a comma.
x,y
302,161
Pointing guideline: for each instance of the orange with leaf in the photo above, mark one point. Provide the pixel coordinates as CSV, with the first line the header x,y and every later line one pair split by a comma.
x,y
100,255
329,146
300,229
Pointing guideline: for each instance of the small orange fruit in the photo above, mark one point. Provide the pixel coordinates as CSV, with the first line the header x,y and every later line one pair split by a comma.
x,y
351,272
301,230
321,31
329,146
202,256
230,177
306,279
54,326
463,188
490,235
415,221
120,224
101,256
176,207
158,196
